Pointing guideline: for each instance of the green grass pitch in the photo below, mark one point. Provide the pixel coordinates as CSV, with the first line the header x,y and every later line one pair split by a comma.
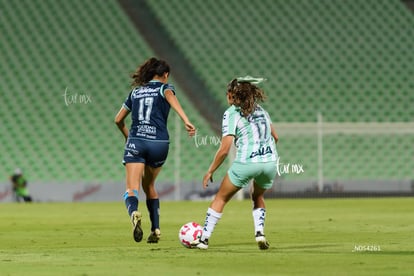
x,y
307,237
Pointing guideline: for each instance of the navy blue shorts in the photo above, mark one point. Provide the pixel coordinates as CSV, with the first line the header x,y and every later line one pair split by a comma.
x,y
151,153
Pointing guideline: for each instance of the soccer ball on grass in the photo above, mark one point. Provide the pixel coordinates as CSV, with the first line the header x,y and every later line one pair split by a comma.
x,y
189,232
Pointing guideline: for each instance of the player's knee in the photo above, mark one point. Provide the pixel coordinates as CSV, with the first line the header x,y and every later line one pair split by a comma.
x,y
150,191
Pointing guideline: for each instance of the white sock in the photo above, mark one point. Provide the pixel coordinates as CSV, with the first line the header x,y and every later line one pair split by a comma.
x,y
259,216
212,218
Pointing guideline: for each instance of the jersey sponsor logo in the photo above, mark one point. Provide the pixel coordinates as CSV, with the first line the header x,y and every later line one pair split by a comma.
x,y
144,95
145,92
256,117
261,151
146,129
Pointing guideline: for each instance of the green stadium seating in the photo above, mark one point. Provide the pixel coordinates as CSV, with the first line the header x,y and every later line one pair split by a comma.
x,y
303,48
83,48
351,60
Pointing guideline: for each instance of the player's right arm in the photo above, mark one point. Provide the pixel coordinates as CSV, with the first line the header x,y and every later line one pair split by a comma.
x,y
120,121
220,156
228,134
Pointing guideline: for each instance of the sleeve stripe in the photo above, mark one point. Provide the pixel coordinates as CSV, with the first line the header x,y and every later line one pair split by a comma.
x,y
126,107
166,87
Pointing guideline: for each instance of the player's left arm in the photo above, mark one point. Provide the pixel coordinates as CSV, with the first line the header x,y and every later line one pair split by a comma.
x,y
175,104
220,156
274,133
272,128
120,121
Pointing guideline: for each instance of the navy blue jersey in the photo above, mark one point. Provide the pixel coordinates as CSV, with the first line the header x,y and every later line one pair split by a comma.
x,y
149,111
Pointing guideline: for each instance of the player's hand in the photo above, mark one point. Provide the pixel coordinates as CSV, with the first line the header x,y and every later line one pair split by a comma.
x,y
208,177
190,129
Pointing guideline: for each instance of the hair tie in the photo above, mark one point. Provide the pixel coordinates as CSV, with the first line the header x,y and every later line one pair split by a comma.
x,y
250,79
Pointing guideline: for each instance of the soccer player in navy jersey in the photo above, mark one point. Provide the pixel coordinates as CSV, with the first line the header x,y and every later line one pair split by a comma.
x,y
249,127
147,140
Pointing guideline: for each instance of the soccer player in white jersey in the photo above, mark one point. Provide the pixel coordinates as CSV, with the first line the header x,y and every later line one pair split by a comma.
x,y
249,126
147,140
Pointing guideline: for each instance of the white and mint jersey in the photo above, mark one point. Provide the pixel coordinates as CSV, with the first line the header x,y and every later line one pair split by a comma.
x,y
253,138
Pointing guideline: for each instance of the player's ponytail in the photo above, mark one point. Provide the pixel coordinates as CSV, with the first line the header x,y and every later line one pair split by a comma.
x,y
246,94
148,70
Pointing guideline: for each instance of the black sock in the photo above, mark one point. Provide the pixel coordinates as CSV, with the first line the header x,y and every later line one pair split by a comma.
x,y
153,206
